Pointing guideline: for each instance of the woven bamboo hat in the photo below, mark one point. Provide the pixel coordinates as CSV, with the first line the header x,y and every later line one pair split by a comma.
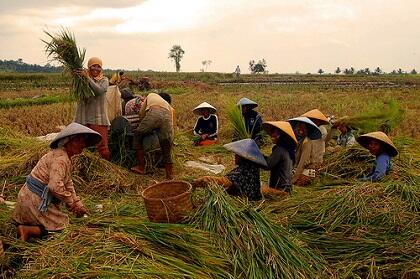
x,y
198,109
283,126
316,114
248,149
73,129
247,102
313,131
390,148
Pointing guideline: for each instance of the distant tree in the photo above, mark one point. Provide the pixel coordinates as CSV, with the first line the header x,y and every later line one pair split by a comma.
x,y
413,72
367,71
394,72
259,67
338,70
176,53
320,71
206,63
346,71
378,71
400,72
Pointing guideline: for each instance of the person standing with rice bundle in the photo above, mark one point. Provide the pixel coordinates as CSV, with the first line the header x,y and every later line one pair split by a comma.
x,y
92,112
49,185
381,146
305,131
280,162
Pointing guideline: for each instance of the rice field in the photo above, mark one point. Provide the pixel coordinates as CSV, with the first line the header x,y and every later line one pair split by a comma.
x,y
334,228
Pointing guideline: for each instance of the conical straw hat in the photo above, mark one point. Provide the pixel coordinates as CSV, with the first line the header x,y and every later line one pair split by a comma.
x,y
247,102
248,149
316,114
204,105
72,129
313,131
283,126
363,140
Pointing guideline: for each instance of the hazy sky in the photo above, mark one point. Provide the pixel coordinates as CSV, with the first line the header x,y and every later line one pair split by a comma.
x,y
295,35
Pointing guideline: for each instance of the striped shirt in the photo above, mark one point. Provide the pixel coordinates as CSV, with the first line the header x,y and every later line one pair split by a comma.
x,y
93,110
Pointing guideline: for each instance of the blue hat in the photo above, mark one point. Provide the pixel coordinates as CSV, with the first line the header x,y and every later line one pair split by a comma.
x,y
248,149
313,131
247,102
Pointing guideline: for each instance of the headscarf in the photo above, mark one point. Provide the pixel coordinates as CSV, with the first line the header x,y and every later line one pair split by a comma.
x,y
95,61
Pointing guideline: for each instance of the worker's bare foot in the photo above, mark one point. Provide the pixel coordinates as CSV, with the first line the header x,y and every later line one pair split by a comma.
x,y
138,169
26,232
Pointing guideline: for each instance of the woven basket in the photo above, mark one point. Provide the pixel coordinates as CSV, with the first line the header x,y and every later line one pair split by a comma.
x,y
168,201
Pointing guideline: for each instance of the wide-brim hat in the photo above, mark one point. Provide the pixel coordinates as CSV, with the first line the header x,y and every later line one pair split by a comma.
x,y
247,102
313,131
248,149
283,126
390,148
197,110
73,129
316,114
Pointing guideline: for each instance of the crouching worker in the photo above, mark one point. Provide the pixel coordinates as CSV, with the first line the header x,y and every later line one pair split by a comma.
x,y
245,179
280,162
304,167
382,147
156,113
49,185
207,125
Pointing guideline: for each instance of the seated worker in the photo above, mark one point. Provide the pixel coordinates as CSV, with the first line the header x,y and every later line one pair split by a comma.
x,y
380,145
245,179
280,162
318,146
345,138
156,113
305,131
207,125
49,185
253,119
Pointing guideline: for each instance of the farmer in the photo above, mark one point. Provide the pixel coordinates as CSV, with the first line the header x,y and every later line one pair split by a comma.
x,y
345,138
49,185
156,113
305,131
133,106
245,179
92,112
280,162
237,71
253,120
206,126
380,145
318,146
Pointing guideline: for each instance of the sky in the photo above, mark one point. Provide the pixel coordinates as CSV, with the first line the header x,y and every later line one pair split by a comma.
x,y
292,36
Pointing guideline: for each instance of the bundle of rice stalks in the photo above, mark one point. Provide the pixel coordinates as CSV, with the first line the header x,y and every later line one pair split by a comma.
x,y
92,174
257,247
63,49
126,248
384,117
348,162
18,154
238,123
352,225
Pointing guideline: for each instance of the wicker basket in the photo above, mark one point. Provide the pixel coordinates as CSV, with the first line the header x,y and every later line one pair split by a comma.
x,y
168,201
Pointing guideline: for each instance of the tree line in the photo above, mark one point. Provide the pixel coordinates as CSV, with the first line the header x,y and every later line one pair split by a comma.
x,y
22,67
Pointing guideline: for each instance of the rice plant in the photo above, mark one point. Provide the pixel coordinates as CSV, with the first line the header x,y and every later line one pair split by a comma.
x,y
62,48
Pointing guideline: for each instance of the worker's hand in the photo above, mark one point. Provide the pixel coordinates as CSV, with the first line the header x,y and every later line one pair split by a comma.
x,y
82,73
78,209
203,181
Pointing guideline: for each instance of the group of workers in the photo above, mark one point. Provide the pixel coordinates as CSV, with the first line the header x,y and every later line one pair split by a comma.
x,y
298,149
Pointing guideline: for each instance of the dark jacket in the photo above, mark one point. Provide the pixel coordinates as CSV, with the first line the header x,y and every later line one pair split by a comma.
x,y
280,165
208,126
253,122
